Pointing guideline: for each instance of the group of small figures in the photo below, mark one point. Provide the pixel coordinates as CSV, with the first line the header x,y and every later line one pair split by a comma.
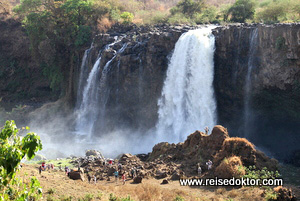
x,y
45,166
119,172
209,166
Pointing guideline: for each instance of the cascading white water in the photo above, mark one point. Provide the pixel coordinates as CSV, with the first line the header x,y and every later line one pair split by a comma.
x,y
248,83
83,74
187,102
88,111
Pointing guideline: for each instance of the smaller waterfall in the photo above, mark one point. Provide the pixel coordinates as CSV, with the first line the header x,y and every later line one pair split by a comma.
x,y
187,102
104,89
84,71
88,104
248,83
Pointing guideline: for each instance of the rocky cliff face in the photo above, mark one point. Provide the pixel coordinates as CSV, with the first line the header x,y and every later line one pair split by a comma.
x,y
274,83
136,75
264,58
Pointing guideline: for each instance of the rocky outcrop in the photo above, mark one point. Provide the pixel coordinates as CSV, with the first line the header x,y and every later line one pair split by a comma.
x,y
284,194
218,146
167,161
267,58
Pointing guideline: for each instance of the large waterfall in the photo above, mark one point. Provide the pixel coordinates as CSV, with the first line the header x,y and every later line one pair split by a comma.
x,y
187,102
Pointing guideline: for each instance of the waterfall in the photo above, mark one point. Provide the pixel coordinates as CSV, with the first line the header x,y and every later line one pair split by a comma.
x,y
90,104
248,83
187,102
83,74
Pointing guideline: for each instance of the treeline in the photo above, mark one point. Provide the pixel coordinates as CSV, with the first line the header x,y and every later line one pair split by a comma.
x,y
250,11
59,30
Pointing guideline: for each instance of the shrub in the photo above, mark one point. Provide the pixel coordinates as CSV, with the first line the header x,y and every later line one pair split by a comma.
x,y
242,10
209,15
280,43
272,13
253,173
13,149
231,167
179,18
269,194
51,191
112,197
127,17
188,7
179,198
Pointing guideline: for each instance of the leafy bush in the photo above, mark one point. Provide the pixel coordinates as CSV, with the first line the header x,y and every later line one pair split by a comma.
x,y
188,7
278,11
179,198
127,17
51,191
12,150
242,10
179,18
280,43
270,194
112,197
209,15
253,173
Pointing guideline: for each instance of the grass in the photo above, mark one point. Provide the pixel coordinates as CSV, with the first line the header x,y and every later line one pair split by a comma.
x,y
62,162
57,186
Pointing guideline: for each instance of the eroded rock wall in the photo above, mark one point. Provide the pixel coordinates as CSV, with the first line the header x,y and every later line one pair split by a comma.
x,y
274,78
136,78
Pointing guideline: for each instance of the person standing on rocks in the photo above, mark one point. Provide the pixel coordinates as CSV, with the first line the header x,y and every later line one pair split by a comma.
x,y
124,178
116,175
206,129
95,179
199,170
120,167
40,170
89,177
209,164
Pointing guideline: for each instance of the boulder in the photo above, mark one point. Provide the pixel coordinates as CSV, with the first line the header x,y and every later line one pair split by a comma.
x,y
164,181
93,153
137,180
284,194
111,171
160,174
76,175
175,176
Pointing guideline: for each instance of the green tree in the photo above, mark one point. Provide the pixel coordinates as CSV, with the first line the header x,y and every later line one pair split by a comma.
x,y
188,7
12,150
60,27
279,11
127,17
242,10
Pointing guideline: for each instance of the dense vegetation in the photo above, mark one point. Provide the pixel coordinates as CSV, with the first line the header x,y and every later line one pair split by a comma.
x,y
13,149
